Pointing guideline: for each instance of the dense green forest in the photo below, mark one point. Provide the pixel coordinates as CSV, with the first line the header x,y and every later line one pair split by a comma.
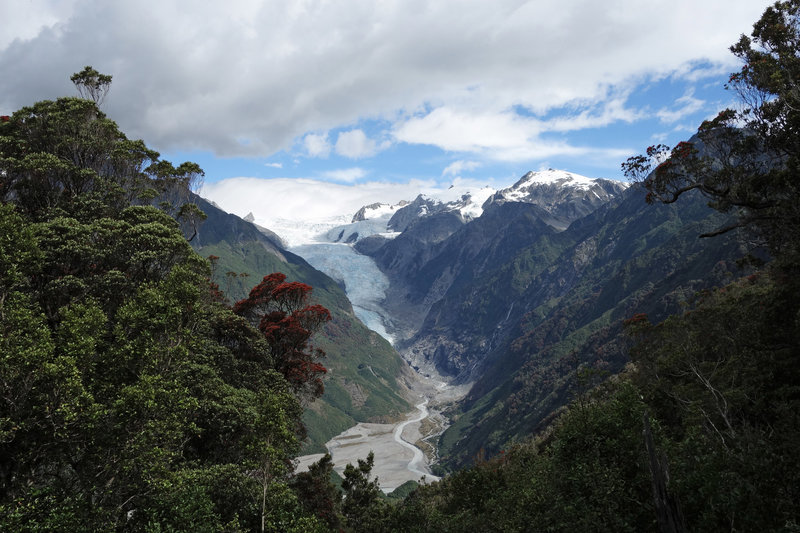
x,y
132,397
135,398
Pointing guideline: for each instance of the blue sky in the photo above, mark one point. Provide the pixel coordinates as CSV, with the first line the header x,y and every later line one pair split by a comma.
x,y
359,93
665,110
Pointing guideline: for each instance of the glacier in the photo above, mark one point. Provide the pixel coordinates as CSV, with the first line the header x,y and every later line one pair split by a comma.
x,y
320,242
363,282
327,244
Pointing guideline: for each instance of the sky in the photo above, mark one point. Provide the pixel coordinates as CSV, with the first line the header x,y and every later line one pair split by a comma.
x,y
357,100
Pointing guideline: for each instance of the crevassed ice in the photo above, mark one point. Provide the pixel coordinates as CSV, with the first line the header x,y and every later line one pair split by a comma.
x,y
364,284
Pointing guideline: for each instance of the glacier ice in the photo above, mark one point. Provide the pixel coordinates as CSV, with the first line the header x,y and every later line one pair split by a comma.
x,y
364,283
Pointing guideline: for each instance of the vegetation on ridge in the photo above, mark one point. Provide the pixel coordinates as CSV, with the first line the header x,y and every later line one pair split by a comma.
x,y
699,432
132,399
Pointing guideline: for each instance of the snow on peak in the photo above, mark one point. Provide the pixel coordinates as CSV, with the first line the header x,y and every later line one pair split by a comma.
x,y
467,201
520,191
555,177
377,210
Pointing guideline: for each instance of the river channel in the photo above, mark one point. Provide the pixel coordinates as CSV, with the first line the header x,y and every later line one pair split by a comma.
x,y
397,458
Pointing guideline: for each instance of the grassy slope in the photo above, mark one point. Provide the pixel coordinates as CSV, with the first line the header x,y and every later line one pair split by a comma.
x,y
363,369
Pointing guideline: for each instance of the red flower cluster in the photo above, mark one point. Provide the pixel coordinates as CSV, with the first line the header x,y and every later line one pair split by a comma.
x,y
284,316
638,318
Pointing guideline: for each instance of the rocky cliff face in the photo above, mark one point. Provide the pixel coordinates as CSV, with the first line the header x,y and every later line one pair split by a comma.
x,y
516,300
522,329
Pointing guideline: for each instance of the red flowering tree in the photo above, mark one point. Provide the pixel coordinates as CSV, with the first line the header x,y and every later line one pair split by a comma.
x,y
283,314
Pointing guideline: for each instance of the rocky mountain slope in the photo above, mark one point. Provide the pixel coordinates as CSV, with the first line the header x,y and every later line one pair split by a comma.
x,y
451,244
529,296
561,302
565,196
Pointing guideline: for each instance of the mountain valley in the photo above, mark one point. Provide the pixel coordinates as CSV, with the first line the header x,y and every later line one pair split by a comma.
x,y
510,298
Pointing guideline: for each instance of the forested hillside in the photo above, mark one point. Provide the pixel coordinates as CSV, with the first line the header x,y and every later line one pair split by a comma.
x,y
133,398
699,432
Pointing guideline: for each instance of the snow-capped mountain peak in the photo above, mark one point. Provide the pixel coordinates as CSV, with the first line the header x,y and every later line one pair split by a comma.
x,y
377,210
555,177
564,195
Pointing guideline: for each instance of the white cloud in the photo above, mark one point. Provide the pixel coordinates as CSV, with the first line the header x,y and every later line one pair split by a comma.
x,y
457,167
272,71
30,18
303,198
465,131
684,106
346,175
499,135
354,144
274,165
306,199
603,113
317,145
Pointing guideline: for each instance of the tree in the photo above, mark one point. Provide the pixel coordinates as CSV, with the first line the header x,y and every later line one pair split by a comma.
x,y
722,381
131,398
318,494
746,160
363,508
721,378
283,314
56,151
91,84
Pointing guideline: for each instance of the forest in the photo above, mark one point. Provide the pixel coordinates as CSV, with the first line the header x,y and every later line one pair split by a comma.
x,y
135,396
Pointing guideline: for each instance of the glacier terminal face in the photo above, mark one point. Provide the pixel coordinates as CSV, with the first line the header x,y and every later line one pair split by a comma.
x,y
364,283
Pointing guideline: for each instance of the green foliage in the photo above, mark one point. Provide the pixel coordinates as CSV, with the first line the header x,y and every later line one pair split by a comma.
x,y
745,161
323,421
646,259
718,383
723,377
65,153
358,359
589,474
723,380
318,494
403,490
363,507
130,398
91,84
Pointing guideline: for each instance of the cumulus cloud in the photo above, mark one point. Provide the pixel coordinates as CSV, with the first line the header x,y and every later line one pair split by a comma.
x,y
457,167
463,131
317,145
354,144
25,27
685,106
346,175
304,199
500,135
254,77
